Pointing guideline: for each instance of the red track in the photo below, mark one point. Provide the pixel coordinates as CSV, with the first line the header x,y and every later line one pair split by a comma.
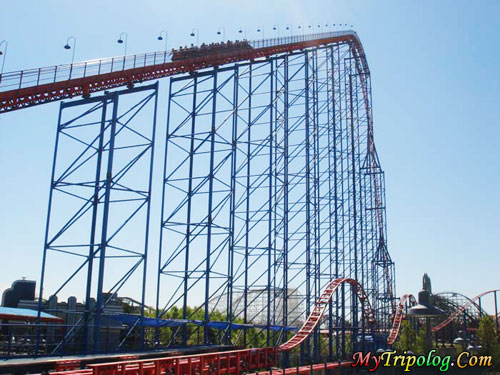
x,y
307,369
398,318
37,86
320,308
461,310
235,362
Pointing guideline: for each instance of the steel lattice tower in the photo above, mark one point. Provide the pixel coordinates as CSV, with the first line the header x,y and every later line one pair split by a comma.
x,y
273,188
98,194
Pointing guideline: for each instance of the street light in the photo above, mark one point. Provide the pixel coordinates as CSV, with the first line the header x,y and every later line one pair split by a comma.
x,y
259,29
121,41
242,30
277,28
289,27
223,32
166,37
4,53
67,46
197,34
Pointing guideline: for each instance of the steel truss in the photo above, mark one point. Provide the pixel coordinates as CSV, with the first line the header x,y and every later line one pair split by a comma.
x,y
272,188
98,217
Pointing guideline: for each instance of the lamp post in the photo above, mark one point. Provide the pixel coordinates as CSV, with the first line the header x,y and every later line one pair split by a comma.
x,y
222,31
243,30
4,53
122,41
289,27
67,46
197,34
160,37
259,29
277,28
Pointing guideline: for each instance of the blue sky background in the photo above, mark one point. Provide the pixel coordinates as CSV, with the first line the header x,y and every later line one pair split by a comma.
x,y
436,100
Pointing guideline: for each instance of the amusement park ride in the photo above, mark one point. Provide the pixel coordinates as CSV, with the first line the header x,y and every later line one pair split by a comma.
x,y
271,183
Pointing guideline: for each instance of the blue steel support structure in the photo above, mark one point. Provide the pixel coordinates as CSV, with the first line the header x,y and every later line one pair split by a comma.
x,y
96,202
272,188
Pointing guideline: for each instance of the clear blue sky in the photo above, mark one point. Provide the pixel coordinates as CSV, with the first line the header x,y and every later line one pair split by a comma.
x,y
436,99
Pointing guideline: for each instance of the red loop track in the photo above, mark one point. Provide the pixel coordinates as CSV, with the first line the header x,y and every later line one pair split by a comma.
x,y
320,308
461,310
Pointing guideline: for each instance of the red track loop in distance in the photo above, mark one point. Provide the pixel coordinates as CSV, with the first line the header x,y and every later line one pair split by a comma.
x,y
320,308
460,310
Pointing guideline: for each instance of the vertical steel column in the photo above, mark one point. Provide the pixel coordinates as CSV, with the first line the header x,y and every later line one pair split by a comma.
x,y
496,312
188,225
148,213
316,196
247,207
162,223
337,134
270,205
285,211
234,144
332,194
308,199
354,210
95,207
104,232
210,199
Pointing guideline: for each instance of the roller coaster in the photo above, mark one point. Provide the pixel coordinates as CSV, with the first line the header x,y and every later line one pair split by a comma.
x,y
272,209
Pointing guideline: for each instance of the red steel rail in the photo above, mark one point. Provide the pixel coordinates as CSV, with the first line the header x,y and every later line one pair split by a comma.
x,y
398,317
42,85
461,310
319,309
311,369
232,362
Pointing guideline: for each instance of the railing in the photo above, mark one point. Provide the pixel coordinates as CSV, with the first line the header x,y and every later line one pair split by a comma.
x,y
58,73
34,77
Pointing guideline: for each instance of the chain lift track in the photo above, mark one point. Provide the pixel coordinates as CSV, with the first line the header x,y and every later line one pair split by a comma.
x,y
30,87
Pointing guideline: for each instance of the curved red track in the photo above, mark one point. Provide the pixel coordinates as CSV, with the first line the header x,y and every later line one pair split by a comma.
x,y
398,317
460,310
42,85
320,308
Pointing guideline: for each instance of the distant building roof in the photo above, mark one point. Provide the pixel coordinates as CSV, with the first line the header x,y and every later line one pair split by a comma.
x,y
25,315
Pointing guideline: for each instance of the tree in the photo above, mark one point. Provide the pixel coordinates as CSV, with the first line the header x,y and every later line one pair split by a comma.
x,y
488,339
407,338
487,335
420,346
